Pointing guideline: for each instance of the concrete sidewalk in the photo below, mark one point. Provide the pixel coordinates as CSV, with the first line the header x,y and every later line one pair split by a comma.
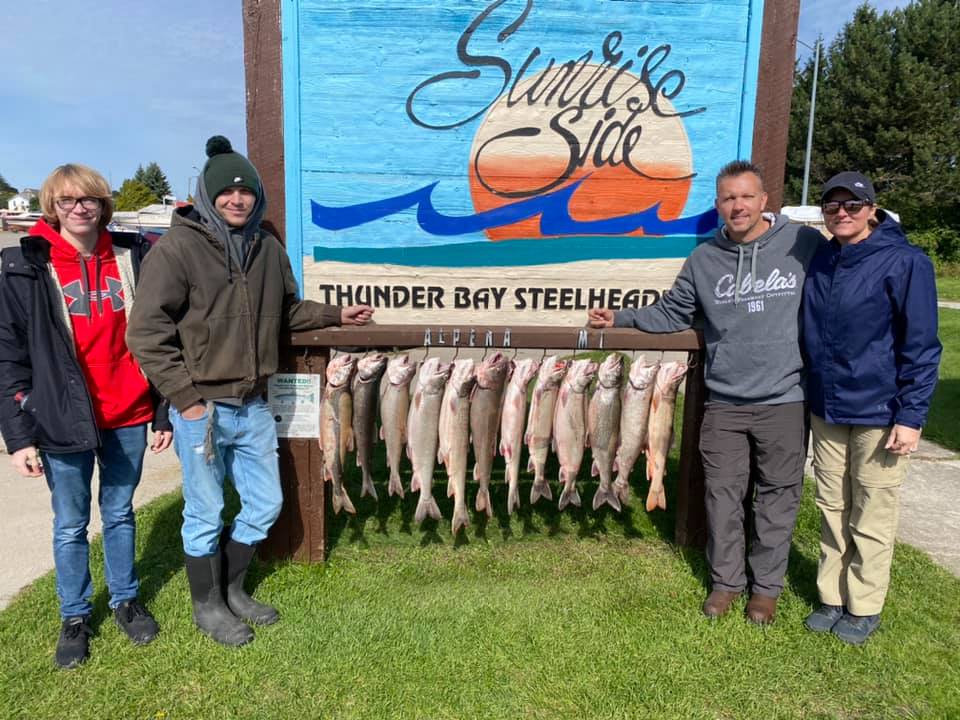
x,y
929,520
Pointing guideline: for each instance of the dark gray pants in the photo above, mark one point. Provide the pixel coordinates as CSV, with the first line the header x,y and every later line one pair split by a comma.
x,y
773,437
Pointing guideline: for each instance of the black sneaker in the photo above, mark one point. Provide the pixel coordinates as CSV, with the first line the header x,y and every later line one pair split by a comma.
x,y
73,647
136,621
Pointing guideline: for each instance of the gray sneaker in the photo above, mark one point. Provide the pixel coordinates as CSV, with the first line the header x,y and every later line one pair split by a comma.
x,y
824,618
855,629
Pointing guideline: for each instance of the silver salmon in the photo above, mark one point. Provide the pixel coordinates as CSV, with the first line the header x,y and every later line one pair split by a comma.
x,y
365,387
455,437
485,404
512,417
422,439
540,423
570,427
336,433
603,424
660,429
394,406
634,416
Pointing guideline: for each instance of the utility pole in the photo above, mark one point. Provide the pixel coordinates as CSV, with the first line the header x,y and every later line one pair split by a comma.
x,y
813,107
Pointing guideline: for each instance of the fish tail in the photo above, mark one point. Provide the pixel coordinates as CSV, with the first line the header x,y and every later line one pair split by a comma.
x,y
346,503
367,488
621,486
605,494
426,507
540,489
653,499
337,501
483,501
395,486
513,499
460,519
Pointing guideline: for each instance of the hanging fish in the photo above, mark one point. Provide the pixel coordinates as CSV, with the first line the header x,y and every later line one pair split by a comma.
x,y
660,429
540,423
365,387
603,425
570,427
394,406
512,417
336,433
484,422
455,437
422,440
634,417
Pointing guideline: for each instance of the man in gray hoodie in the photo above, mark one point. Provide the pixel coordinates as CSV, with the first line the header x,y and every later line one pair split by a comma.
x,y
744,285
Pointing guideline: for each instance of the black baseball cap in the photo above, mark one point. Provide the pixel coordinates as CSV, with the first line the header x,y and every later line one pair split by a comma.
x,y
857,183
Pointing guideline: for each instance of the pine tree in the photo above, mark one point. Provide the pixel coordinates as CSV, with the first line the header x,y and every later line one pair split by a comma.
x,y
888,105
154,179
134,195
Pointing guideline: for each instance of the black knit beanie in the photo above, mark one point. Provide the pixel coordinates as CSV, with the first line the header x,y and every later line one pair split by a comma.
x,y
226,168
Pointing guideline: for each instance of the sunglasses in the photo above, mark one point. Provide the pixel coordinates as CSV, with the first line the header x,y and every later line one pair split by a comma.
x,y
851,206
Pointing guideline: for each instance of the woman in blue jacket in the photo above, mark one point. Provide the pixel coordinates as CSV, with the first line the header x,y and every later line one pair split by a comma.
x,y
870,340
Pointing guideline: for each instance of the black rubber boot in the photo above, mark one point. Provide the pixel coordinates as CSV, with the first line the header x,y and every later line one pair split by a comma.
x,y
210,612
236,560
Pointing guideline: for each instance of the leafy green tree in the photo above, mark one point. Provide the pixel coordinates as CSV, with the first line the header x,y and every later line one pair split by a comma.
x,y
153,177
6,188
888,105
35,204
134,195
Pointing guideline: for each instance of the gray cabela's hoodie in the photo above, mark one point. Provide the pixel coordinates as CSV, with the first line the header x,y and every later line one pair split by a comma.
x,y
748,298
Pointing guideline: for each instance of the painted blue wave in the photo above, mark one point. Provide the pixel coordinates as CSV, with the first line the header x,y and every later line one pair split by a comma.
x,y
553,209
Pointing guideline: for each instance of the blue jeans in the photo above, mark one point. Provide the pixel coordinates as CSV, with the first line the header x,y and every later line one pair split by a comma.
x,y
245,450
120,459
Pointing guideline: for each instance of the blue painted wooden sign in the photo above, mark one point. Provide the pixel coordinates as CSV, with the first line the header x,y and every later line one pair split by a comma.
x,y
466,138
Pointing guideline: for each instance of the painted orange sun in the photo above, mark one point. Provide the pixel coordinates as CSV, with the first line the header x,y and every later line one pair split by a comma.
x,y
547,133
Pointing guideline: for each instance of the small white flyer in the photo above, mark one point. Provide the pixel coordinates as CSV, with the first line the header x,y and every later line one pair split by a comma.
x,y
295,402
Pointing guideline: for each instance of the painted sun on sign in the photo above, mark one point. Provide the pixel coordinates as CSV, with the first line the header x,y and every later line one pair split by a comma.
x,y
592,145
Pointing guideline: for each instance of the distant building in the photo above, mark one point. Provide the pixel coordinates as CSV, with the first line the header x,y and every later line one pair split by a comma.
x,y
20,203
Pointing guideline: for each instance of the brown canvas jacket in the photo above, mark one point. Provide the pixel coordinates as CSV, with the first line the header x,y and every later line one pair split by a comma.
x,y
199,335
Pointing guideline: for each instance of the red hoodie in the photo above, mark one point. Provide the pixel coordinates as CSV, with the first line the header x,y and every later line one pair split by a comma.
x,y
95,300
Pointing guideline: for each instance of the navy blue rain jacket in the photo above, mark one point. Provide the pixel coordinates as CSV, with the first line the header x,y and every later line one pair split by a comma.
x,y
870,330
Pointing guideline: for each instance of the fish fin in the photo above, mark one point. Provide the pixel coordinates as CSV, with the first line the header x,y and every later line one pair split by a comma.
x,y
531,467
569,496
482,503
608,496
540,490
460,520
662,499
450,487
513,499
368,488
395,486
622,488
652,500
526,438
351,443
440,457
594,469
347,504
381,433
337,502
616,462
415,483
506,449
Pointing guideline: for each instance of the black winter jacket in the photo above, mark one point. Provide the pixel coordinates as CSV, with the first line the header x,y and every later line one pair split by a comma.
x,y
37,356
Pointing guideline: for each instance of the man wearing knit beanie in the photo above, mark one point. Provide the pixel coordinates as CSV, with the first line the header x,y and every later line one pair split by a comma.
x,y
214,295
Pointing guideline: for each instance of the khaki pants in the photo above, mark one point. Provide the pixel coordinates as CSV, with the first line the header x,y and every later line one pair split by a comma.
x,y
858,493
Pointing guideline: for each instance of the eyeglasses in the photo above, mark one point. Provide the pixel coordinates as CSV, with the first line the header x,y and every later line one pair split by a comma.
x,y
87,203
851,206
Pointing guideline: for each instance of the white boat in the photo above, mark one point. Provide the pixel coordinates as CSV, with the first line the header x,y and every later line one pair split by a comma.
x,y
154,217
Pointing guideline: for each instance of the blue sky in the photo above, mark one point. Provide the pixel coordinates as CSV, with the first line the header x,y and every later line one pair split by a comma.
x,y
115,84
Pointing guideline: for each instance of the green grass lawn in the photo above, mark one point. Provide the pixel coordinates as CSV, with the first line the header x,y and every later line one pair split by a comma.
x,y
943,422
543,615
948,287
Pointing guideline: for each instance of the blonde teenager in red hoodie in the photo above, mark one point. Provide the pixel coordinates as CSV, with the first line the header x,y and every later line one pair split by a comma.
x,y
72,395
